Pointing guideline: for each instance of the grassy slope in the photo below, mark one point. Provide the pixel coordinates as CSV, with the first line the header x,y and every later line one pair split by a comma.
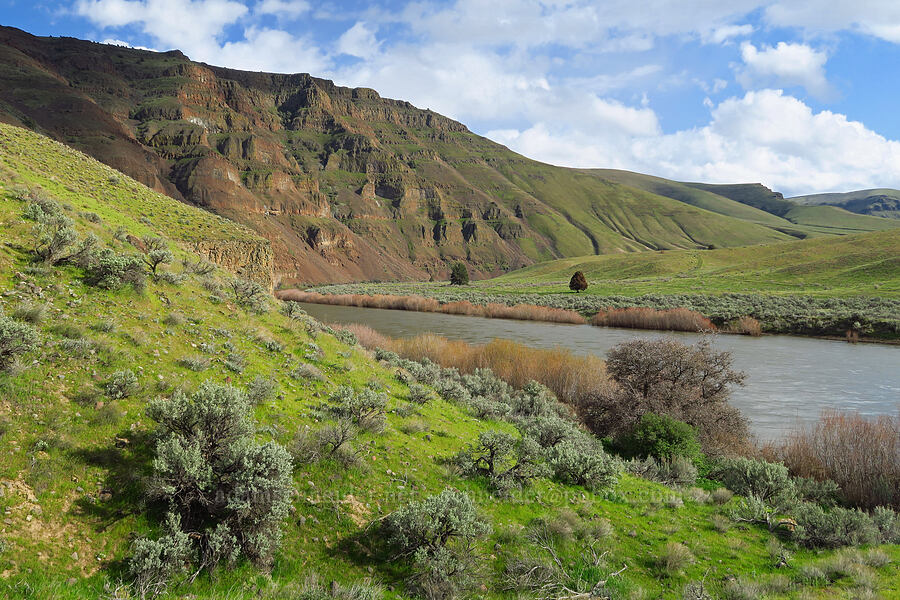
x,y
829,220
862,264
59,452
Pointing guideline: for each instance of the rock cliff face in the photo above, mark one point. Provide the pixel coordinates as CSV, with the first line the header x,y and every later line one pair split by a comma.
x,y
345,184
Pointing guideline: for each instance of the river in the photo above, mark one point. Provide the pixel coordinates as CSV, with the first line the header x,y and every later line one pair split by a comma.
x,y
790,379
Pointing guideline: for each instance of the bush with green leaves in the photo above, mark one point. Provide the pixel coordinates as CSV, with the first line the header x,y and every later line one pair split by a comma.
x,y
419,394
111,271
660,436
229,491
678,471
770,482
506,462
888,523
582,461
436,535
818,527
15,340
121,384
459,274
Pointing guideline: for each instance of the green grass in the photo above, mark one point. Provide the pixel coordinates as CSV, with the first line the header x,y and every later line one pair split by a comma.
x,y
58,450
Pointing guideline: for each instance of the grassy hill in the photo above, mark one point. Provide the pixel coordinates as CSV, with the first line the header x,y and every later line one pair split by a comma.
x,y
76,456
877,202
861,264
821,219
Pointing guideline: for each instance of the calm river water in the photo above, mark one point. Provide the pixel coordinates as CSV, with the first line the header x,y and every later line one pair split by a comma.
x,y
789,379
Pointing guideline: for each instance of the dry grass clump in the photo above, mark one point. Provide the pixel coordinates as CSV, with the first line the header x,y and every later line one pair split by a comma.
x,y
674,558
861,455
745,326
569,376
674,319
366,336
523,312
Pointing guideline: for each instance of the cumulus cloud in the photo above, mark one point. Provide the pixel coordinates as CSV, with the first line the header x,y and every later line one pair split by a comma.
x,y
764,136
358,41
784,65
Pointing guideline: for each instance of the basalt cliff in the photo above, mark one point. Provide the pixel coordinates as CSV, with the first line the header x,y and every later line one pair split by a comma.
x,y
346,185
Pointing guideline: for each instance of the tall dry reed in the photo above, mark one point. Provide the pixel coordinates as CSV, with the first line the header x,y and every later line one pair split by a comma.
x,y
569,376
861,454
674,319
522,312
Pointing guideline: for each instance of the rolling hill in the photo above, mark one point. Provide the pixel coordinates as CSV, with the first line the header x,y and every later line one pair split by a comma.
x,y
876,202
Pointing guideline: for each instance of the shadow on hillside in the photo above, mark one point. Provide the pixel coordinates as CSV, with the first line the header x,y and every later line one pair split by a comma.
x,y
128,462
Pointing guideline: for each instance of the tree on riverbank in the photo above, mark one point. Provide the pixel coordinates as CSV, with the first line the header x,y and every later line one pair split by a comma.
x,y
578,283
459,274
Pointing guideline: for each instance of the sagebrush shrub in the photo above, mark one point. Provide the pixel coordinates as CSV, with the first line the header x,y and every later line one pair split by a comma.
x,y
306,371
820,528
770,482
121,384
229,490
506,462
249,294
261,389
111,271
15,340
365,407
419,394
583,462
154,564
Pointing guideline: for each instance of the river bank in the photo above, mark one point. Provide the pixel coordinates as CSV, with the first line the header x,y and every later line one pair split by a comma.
x,y
857,318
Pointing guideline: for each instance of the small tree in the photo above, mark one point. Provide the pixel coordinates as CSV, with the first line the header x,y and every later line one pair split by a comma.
x,y
459,274
505,461
249,294
157,254
578,283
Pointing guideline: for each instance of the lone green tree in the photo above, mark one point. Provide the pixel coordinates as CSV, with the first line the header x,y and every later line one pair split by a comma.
x,y
578,283
459,274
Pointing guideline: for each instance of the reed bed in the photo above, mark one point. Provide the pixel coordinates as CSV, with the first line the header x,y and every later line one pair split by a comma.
x,y
860,454
745,326
674,319
522,312
569,376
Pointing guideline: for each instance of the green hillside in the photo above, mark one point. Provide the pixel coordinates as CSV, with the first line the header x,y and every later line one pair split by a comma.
x,y
876,202
830,220
860,264
80,446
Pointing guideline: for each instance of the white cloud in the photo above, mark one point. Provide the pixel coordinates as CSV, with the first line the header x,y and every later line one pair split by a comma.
x,y
878,18
273,50
358,41
727,32
289,9
784,65
765,136
114,42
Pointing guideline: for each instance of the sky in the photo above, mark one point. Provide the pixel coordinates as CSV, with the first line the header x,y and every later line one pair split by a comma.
x,y
798,95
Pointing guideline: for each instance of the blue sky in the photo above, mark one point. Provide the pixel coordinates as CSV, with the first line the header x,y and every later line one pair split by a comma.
x,y
799,95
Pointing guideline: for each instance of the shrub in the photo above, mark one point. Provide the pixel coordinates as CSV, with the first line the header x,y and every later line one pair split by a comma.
x,y
154,564
199,266
419,394
820,528
306,371
345,336
112,271
15,340
578,283
721,495
662,437
235,362
206,452
666,377
249,294
437,534
261,389
30,312
335,441
121,384
770,482
157,253
365,407
674,558
582,461
174,319
194,363
888,523
506,462
678,471
53,235
459,274
861,455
